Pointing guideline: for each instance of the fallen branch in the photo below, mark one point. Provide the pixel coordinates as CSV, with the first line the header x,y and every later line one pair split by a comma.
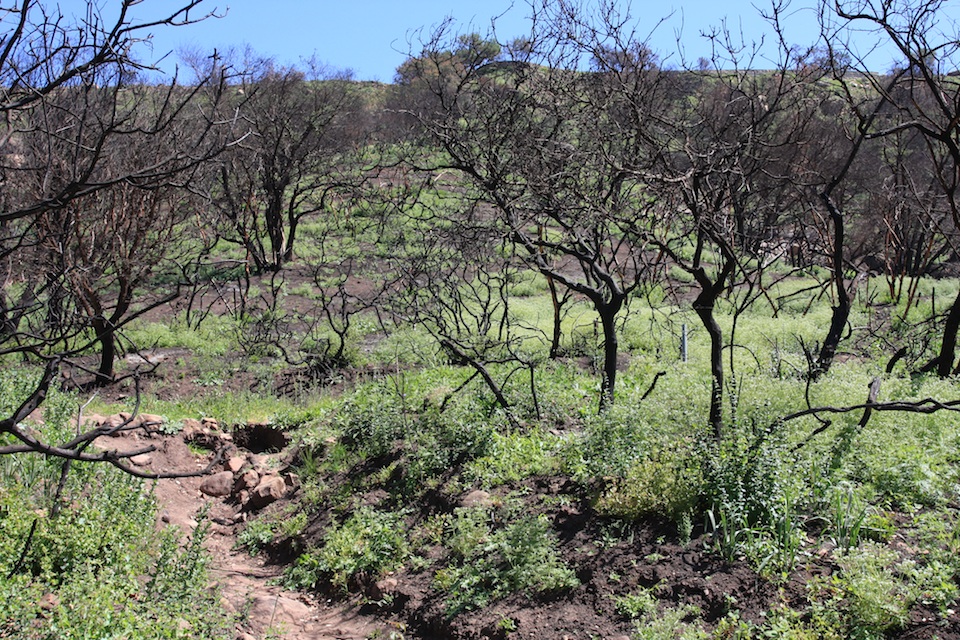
x,y
76,448
925,406
653,384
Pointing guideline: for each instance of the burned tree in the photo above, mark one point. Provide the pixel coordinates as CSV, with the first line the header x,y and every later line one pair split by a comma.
x,y
298,134
90,154
553,154
919,96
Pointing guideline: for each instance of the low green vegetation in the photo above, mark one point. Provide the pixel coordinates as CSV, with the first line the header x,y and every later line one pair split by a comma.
x,y
85,560
494,554
544,322
421,470
368,543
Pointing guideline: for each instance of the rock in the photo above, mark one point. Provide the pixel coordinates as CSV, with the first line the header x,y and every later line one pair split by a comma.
x,y
235,463
49,601
247,480
269,611
93,420
202,437
165,516
151,420
218,485
270,489
192,431
226,605
141,460
114,421
134,421
476,498
383,588
210,423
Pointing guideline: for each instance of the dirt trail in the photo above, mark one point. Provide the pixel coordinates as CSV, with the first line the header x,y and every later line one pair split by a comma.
x,y
248,586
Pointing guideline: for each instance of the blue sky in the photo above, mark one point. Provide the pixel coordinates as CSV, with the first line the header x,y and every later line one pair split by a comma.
x,y
371,36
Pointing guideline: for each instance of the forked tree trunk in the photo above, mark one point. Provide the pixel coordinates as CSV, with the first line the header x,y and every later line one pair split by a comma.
x,y
704,306
557,317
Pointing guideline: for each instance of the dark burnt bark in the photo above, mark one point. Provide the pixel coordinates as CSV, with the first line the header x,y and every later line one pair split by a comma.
x,y
608,315
557,317
704,305
841,311
948,345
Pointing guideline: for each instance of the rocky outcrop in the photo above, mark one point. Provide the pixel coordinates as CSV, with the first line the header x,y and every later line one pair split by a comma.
x,y
250,481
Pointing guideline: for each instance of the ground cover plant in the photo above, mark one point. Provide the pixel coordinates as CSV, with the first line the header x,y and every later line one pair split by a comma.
x,y
81,557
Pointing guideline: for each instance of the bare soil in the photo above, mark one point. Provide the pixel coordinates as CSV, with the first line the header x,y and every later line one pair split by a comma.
x,y
249,584
610,561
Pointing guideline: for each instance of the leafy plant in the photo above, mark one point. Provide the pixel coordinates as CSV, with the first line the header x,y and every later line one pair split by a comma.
x,y
98,568
668,483
369,542
636,605
873,596
488,563
256,535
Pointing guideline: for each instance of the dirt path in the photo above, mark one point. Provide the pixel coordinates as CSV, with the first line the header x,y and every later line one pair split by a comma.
x,y
249,586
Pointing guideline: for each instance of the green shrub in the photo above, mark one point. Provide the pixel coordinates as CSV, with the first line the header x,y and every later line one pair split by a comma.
x,y
875,599
488,563
666,484
612,443
256,535
656,623
371,419
444,441
636,605
369,542
98,569
514,456
867,598
94,567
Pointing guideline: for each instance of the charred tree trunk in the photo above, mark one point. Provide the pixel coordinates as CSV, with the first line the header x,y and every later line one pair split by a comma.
x,y
273,217
841,312
948,345
704,306
106,336
293,221
608,314
557,334
106,330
